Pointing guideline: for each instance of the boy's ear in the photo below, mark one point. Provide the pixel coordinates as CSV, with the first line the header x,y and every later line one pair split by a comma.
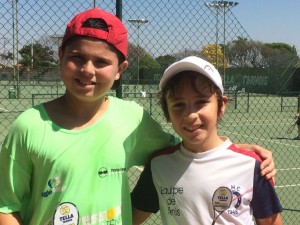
x,y
123,67
224,105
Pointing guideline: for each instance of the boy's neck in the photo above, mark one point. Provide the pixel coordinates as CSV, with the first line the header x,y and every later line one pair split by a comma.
x,y
206,145
76,115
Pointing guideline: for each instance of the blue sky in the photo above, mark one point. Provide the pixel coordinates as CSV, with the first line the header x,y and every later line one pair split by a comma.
x,y
271,20
263,20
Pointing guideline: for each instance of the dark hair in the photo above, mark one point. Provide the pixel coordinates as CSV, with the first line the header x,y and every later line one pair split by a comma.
x,y
100,24
175,83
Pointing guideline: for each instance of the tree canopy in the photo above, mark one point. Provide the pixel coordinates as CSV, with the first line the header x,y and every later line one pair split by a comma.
x,y
37,57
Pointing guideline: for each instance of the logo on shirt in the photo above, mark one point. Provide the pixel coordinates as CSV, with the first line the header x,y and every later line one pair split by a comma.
x,y
237,199
66,213
103,171
54,185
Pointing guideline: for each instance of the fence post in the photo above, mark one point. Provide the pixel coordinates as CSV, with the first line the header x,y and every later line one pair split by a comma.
x,y
119,15
150,95
235,99
298,102
248,101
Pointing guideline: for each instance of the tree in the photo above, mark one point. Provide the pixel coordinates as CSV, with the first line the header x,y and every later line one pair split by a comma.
x,y
279,55
244,53
165,60
185,53
213,53
141,63
37,57
6,56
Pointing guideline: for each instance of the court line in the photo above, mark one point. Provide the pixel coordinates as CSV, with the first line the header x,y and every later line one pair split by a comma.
x,y
294,168
287,185
249,123
261,139
139,168
3,110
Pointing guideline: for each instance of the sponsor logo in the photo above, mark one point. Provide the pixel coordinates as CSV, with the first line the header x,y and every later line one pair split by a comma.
x,y
103,171
54,185
66,213
112,217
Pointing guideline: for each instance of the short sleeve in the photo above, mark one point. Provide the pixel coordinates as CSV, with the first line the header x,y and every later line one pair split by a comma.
x,y
265,201
150,137
144,196
15,172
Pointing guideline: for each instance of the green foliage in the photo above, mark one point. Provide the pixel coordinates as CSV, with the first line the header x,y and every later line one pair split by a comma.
x,y
7,56
38,58
165,60
279,55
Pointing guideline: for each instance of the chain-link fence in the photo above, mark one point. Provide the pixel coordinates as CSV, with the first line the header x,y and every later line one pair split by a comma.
x,y
260,78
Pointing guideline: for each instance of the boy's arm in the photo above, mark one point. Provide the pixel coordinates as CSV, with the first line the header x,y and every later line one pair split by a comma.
x,y
267,166
10,219
138,216
144,198
275,219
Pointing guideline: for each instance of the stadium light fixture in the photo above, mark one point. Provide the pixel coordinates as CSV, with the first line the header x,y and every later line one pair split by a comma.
x,y
138,23
219,7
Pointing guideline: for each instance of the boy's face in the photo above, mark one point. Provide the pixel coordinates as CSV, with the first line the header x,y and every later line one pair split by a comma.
x,y
194,115
89,68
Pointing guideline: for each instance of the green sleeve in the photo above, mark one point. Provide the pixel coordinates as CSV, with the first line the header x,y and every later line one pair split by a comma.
x,y
150,137
15,170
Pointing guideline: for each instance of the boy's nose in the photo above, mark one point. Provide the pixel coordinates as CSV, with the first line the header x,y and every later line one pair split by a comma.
x,y
88,68
191,116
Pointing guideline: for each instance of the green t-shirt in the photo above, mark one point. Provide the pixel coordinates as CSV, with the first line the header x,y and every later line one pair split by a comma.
x,y
44,167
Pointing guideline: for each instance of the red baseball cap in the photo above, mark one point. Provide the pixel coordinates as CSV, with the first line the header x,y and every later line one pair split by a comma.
x,y
116,34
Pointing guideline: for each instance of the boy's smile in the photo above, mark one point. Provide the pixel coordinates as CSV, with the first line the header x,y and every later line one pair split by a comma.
x,y
194,116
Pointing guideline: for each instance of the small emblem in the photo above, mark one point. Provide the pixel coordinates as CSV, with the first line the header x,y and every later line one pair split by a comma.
x,y
66,213
221,201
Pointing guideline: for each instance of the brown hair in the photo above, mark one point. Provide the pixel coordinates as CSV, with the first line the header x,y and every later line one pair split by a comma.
x,y
175,83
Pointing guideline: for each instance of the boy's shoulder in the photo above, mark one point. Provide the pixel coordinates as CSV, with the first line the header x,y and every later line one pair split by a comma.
x,y
31,113
28,119
124,103
244,152
166,151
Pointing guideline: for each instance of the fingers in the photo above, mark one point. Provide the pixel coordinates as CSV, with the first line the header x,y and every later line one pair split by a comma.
x,y
269,171
268,166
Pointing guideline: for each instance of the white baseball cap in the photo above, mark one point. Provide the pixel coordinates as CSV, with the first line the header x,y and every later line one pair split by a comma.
x,y
192,63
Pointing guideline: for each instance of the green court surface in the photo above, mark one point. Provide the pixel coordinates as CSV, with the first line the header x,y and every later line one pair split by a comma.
x,y
262,120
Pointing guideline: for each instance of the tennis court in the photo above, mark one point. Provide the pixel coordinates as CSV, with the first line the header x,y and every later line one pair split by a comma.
x,y
258,119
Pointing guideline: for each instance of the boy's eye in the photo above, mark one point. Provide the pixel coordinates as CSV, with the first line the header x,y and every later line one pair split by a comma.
x,y
100,63
201,102
76,57
178,105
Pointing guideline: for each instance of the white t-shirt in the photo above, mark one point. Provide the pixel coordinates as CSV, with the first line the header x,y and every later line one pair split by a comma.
x,y
185,182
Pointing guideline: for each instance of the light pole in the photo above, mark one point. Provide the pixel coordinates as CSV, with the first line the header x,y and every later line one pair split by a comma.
x,y
4,59
219,7
138,23
15,29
